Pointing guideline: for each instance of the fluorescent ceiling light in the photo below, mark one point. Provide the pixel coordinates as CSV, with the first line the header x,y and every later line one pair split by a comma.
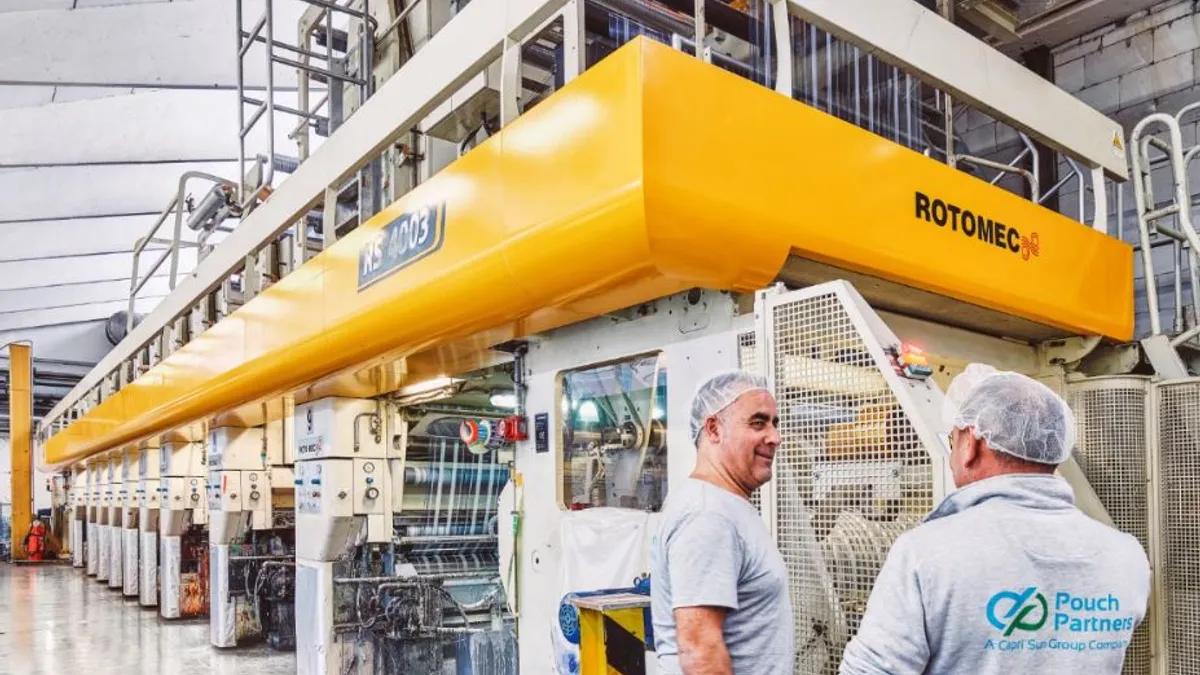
x,y
504,400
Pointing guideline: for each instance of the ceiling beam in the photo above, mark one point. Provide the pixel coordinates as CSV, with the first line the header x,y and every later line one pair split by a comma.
x,y
191,43
41,318
45,297
84,341
27,274
65,192
1071,19
52,238
153,126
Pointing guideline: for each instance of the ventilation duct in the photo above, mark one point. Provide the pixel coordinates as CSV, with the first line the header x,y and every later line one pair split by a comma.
x,y
115,329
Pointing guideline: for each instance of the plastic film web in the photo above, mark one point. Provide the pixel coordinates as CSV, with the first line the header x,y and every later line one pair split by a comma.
x,y
1111,451
852,473
1179,502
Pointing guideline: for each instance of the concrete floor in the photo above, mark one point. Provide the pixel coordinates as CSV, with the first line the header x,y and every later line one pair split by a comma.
x,y
58,621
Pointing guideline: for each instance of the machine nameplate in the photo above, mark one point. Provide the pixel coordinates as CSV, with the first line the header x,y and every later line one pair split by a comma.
x,y
541,432
409,237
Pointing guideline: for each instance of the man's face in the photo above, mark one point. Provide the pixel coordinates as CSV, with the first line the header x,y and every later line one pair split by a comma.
x,y
748,436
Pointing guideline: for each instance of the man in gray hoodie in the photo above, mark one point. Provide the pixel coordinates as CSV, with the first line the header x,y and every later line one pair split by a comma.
x,y
1005,575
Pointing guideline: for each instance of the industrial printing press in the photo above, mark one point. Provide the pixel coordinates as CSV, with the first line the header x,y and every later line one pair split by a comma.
x,y
183,520
149,500
397,568
251,536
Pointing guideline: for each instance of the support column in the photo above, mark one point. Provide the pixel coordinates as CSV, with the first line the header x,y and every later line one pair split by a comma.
x,y
20,411
1041,61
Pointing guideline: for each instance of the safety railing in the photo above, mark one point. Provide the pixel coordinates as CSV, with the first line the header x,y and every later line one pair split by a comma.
x,y
214,207
1151,217
334,74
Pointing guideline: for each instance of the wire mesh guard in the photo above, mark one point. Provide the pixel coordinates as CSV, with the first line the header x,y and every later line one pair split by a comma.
x,y
851,474
1179,502
748,361
1111,451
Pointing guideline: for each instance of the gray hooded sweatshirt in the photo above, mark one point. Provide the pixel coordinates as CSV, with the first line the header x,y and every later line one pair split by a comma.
x,y
1005,576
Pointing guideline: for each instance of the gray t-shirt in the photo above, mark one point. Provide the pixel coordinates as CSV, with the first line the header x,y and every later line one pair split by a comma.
x,y
713,550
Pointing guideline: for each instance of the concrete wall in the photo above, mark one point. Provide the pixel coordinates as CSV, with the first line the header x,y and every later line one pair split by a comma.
x,y
1148,63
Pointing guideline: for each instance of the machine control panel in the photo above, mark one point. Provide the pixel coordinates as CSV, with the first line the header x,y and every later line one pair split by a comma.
x,y
339,488
129,494
368,482
148,494
225,491
256,490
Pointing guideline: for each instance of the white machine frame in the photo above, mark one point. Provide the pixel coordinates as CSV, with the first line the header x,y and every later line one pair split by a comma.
x,y
182,503
694,340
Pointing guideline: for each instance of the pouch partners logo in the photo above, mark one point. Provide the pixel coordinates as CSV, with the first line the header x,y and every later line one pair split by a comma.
x,y
1008,611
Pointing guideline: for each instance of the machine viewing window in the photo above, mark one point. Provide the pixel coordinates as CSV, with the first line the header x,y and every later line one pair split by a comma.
x,y
615,435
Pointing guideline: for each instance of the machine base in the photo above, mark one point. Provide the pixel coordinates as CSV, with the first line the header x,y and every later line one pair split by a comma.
x,y
116,564
93,548
318,651
77,537
148,569
104,557
222,622
169,600
129,556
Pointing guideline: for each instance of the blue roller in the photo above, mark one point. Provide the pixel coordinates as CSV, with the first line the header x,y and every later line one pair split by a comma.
x,y
487,476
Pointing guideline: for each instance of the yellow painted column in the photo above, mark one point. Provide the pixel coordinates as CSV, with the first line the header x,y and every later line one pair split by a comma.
x,y
20,418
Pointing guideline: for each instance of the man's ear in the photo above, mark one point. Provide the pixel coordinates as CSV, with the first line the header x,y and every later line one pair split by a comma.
x,y
972,450
712,429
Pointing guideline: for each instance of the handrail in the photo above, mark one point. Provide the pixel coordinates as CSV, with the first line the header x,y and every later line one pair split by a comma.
x,y
1143,194
174,206
989,164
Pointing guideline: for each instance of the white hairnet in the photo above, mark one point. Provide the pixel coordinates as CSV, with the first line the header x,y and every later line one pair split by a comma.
x,y
718,392
1016,415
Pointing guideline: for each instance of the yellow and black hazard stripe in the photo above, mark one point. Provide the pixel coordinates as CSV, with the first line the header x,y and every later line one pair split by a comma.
x,y
615,642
